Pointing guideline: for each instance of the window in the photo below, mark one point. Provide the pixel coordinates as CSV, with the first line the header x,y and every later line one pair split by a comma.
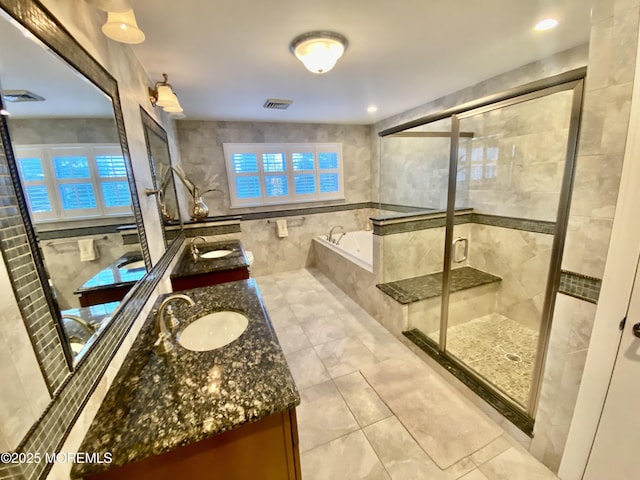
x,y
268,174
64,182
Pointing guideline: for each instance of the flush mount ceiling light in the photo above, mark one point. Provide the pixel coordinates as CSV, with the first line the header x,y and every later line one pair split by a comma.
x,y
163,96
319,51
546,24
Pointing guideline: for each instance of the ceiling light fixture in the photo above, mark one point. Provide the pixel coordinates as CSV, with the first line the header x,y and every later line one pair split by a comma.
x,y
546,24
320,50
163,96
121,23
372,109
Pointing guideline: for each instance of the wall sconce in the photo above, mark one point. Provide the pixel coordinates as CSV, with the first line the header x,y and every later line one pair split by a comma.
x,y
163,96
121,23
319,51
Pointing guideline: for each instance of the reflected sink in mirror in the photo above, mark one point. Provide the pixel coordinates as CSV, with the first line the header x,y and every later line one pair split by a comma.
x,y
213,331
216,254
132,265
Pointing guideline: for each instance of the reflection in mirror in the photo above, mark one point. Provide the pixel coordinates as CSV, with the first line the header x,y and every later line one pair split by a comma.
x,y
163,180
74,178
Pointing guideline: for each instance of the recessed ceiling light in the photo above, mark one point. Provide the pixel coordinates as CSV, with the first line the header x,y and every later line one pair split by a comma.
x,y
546,24
372,109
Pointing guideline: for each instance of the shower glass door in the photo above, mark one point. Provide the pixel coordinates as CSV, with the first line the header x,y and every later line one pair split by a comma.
x,y
510,170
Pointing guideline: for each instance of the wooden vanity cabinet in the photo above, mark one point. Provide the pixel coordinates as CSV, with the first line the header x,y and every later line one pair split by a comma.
x,y
264,450
209,278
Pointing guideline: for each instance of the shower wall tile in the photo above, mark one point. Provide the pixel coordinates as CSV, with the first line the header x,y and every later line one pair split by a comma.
x,y
202,156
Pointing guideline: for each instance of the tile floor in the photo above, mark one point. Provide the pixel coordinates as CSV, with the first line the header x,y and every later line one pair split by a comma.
x,y
370,408
500,349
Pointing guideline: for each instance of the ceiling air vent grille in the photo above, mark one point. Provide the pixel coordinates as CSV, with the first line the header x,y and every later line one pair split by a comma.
x,y
18,96
277,104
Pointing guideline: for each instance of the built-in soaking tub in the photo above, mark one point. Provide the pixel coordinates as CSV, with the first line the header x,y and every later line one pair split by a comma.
x,y
356,247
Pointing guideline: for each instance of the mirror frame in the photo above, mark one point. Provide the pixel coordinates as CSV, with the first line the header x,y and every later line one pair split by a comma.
x,y
149,124
55,358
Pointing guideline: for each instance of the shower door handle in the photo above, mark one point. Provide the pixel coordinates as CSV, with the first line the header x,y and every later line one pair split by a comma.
x,y
465,251
636,330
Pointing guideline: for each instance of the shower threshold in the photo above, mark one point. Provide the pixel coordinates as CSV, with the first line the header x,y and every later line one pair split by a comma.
x,y
498,400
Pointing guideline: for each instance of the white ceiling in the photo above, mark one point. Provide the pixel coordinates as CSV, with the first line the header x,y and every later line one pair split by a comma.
x,y
225,58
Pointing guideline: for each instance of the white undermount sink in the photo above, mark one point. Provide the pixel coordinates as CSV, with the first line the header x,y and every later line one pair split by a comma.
x,y
216,254
213,331
135,265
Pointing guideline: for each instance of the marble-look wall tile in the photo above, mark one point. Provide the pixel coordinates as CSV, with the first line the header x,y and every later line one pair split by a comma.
x,y
566,355
273,254
202,156
25,396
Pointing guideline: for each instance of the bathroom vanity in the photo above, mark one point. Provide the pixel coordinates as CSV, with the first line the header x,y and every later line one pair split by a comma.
x,y
201,271
113,282
223,413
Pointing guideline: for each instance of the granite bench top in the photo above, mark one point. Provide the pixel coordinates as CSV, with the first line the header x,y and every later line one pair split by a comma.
x,y
188,266
158,403
414,289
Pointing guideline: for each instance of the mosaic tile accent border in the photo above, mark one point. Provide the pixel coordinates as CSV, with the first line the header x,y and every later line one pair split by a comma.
x,y
407,224
49,433
77,232
212,230
536,226
580,286
508,410
306,211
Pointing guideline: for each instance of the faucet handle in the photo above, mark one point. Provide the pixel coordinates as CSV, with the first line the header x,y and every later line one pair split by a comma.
x,y
171,321
163,344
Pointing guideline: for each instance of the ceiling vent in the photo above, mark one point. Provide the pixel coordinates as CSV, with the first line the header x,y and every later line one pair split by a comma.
x,y
277,104
18,96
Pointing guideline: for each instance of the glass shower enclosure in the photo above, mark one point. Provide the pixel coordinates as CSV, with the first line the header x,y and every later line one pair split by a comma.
x,y
490,182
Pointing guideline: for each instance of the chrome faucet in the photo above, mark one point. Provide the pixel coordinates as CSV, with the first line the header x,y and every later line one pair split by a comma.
x,y
330,236
164,343
194,249
90,329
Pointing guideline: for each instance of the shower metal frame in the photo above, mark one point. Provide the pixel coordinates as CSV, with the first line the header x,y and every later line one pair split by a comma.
x,y
568,81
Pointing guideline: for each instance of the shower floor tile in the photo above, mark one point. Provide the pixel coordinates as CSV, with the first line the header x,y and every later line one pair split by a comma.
x,y
499,349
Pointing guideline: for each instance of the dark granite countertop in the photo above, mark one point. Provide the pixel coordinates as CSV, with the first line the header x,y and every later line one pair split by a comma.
x,y
158,403
188,266
116,274
429,286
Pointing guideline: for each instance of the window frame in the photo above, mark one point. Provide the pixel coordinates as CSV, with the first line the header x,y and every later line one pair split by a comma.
x,y
287,149
46,154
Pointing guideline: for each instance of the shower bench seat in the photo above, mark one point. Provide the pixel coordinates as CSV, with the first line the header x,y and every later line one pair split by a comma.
x,y
411,290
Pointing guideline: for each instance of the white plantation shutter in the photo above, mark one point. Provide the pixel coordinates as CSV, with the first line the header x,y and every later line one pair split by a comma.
x,y
269,174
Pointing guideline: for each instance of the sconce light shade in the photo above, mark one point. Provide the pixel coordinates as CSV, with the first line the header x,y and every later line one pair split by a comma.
x,y
319,51
122,27
163,96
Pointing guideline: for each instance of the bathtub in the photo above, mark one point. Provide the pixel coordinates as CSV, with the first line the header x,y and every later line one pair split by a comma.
x,y
357,247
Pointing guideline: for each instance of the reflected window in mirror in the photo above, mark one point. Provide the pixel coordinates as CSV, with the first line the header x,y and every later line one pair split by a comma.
x,y
74,178
163,178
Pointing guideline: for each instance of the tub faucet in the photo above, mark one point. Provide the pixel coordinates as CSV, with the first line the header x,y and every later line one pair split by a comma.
x,y
194,249
164,343
330,237
87,327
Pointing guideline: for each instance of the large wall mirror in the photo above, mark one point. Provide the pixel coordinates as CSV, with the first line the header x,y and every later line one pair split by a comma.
x,y
163,179
66,148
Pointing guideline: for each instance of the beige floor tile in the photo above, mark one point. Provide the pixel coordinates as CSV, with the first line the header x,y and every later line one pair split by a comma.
x,y
445,425
514,464
399,452
474,475
282,316
307,368
494,449
461,468
363,401
345,356
322,416
292,338
346,458
311,310
325,329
